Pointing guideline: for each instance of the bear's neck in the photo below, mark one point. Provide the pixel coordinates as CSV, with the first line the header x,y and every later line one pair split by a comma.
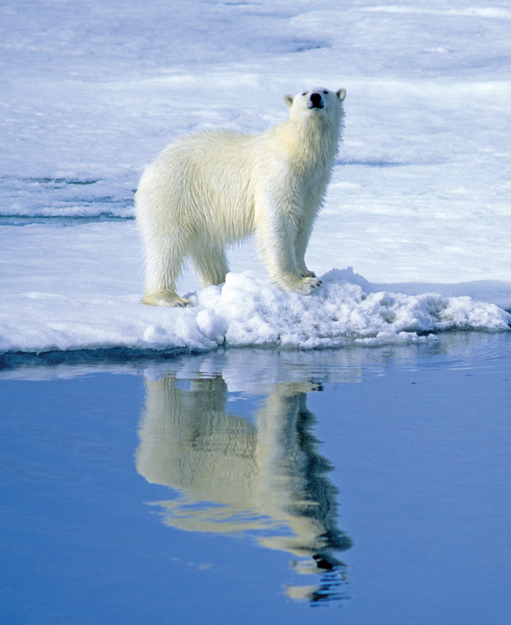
x,y
317,139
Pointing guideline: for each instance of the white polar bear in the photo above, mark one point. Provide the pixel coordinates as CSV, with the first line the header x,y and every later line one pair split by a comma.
x,y
215,187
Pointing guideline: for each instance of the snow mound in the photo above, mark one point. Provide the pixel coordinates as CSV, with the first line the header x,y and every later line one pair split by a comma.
x,y
247,311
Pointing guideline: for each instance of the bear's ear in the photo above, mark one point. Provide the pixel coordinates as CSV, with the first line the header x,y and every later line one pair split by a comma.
x,y
341,94
288,99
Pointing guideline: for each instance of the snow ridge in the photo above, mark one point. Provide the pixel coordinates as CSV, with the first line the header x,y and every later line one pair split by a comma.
x,y
247,311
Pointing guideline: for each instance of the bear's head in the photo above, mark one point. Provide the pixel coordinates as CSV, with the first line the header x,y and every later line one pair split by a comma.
x,y
316,101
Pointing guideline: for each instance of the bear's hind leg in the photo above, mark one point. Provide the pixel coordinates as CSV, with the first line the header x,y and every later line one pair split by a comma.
x,y
162,270
211,263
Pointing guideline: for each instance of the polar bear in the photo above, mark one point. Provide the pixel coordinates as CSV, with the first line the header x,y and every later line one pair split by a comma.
x,y
213,188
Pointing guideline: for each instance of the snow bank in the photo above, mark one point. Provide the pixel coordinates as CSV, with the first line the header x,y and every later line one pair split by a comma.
x,y
250,311
247,311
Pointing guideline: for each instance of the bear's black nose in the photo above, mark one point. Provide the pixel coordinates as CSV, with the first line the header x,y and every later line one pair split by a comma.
x,y
316,100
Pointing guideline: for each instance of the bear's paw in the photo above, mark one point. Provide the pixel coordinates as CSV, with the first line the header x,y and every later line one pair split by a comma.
x,y
307,274
306,286
166,298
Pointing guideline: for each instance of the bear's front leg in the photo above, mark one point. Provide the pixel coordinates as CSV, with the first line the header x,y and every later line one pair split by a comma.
x,y
304,230
276,238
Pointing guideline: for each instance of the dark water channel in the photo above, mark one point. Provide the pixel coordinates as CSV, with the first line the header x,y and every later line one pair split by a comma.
x,y
364,485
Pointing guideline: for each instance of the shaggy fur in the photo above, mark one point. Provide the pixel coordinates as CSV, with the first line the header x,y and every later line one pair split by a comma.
x,y
216,187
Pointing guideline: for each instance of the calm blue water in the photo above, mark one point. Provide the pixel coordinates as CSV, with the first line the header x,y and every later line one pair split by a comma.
x,y
359,486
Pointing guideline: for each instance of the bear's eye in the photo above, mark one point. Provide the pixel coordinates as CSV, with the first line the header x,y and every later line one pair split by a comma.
x,y
305,93
325,92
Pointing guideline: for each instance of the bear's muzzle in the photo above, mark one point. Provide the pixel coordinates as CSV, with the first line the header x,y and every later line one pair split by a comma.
x,y
315,101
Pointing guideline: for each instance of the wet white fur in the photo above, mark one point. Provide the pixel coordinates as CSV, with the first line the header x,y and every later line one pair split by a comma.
x,y
213,188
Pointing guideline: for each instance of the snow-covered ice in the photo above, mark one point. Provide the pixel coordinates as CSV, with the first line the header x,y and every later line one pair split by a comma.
x,y
418,205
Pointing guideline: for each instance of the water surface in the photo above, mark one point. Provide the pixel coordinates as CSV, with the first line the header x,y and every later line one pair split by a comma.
x,y
359,486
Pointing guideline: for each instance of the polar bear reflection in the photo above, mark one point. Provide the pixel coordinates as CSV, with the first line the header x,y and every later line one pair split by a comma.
x,y
235,476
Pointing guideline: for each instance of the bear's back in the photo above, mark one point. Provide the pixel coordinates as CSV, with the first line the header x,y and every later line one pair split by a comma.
x,y
203,178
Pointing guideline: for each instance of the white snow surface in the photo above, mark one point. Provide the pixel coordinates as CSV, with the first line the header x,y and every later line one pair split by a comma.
x,y
419,204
